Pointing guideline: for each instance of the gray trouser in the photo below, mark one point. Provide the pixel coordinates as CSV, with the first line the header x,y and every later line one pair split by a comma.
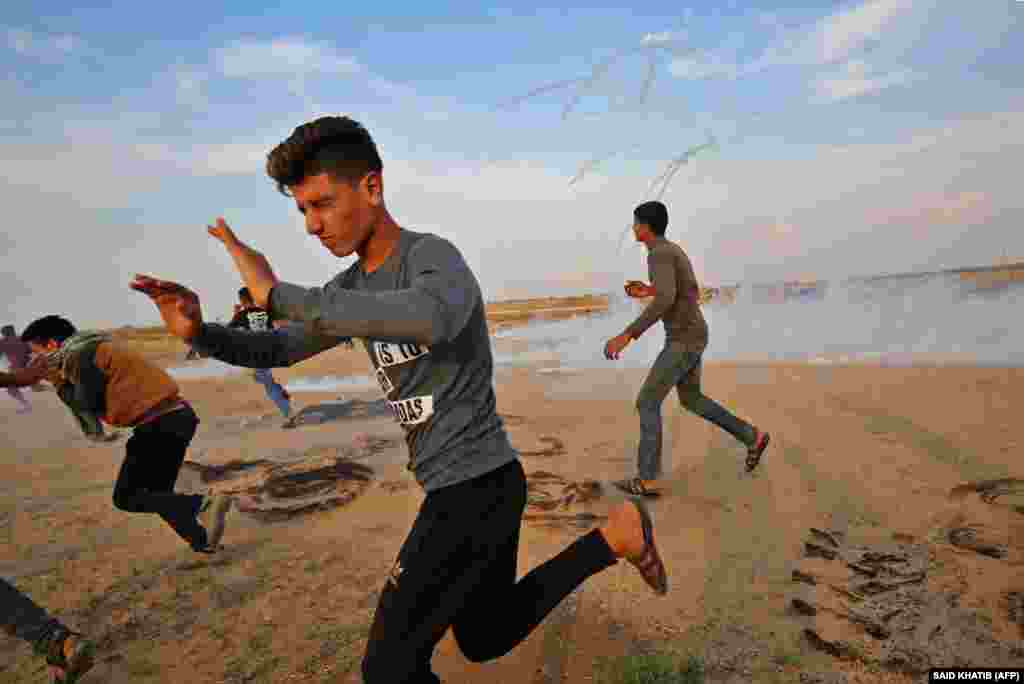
x,y
22,618
680,368
273,389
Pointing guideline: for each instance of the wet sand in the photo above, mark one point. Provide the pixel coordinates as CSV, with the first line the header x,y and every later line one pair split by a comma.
x,y
875,458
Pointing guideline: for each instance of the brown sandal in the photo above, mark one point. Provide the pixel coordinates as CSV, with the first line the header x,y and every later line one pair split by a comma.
x,y
754,453
648,562
75,660
635,487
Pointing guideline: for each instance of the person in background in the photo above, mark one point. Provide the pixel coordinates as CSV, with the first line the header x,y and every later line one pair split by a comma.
x,y
103,379
248,316
18,354
676,295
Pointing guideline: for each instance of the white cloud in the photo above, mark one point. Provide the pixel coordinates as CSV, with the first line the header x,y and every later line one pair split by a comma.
x,y
91,174
208,160
291,57
856,78
234,158
837,38
843,33
662,38
702,66
290,60
190,86
47,47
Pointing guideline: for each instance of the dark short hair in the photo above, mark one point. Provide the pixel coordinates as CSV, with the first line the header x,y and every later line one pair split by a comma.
x,y
48,328
654,214
7,330
336,145
245,294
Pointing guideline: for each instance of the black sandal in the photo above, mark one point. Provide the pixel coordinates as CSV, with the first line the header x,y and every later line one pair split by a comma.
x,y
754,453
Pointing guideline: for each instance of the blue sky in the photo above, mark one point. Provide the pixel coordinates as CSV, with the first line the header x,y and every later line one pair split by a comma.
x,y
858,137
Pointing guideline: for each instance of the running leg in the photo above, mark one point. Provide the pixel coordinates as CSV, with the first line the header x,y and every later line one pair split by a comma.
x,y
25,620
693,400
145,483
457,568
274,391
20,398
670,365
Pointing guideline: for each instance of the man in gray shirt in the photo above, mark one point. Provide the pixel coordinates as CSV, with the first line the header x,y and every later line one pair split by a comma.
x,y
676,302
418,307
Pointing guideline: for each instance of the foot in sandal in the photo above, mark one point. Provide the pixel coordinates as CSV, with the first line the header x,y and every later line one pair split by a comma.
x,y
756,450
630,535
635,486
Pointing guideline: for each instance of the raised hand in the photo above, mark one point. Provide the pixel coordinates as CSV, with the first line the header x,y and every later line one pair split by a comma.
x,y
637,289
252,266
178,306
222,231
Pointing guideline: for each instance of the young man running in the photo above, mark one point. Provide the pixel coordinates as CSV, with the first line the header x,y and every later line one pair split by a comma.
x,y
248,316
68,654
17,353
101,379
418,306
676,302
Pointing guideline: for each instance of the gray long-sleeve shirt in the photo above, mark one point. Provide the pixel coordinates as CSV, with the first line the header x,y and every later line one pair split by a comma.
x,y
676,297
422,320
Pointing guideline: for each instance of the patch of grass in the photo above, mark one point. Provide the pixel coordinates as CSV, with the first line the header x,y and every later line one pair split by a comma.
x,y
985,617
138,662
27,668
217,631
141,668
251,667
856,651
788,659
693,671
336,655
654,668
255,663
260,641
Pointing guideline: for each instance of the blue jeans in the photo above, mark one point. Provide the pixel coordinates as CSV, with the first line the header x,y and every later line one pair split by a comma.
x,y
22,618
274,390
680,368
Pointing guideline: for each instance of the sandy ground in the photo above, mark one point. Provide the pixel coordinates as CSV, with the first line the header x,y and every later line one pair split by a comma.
x,y
870,457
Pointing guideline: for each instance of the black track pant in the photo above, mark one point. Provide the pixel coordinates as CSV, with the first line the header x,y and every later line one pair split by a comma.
x,y
22,618
145,483
457,569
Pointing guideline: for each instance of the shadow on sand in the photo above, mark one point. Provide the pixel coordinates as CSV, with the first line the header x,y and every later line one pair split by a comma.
x,y
330,411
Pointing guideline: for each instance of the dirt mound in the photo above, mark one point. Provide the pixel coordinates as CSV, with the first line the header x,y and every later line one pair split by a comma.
x,y
547,492
875,605
990,490
330,411
553,447
1014,604
322,480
